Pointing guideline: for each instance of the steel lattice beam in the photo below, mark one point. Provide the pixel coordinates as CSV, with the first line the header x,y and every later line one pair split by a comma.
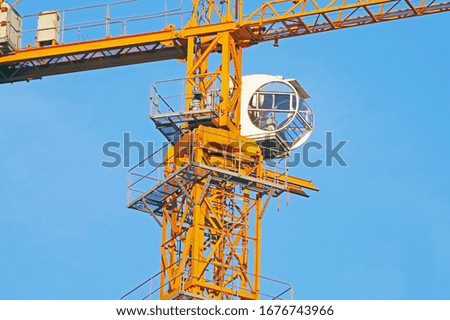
x,y
273,20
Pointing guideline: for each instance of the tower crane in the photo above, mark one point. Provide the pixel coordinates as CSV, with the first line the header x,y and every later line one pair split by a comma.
x,y
216,182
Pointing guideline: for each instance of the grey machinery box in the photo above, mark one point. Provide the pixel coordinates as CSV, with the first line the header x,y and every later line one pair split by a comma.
x,y
10,29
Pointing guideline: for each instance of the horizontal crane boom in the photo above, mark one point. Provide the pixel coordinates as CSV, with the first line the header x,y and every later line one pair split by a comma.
x,y
273,20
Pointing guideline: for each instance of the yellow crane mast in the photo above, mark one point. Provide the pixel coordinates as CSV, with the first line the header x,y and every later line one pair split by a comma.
x,y
215,186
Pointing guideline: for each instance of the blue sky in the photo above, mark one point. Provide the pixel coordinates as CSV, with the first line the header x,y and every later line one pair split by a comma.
x,y
378,229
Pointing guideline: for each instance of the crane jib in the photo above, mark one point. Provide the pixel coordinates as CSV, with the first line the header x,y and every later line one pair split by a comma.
x,y
267,23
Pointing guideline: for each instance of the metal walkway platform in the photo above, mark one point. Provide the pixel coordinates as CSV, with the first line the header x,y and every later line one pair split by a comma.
x,y
170,124
152,200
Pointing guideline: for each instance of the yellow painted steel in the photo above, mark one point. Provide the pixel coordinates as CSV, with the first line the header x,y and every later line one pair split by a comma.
x,y
223,236
211,243
88,46
271,21
294,185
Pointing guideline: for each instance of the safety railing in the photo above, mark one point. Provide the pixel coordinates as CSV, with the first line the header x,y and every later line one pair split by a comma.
x,y
270,289
150,288
107,20
235,156
151,171
164,102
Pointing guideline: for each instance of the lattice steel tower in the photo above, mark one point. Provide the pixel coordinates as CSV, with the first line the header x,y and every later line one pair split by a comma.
x,y
214,185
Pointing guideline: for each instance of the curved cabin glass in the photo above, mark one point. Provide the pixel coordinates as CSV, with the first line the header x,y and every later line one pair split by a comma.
x,y
280,117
